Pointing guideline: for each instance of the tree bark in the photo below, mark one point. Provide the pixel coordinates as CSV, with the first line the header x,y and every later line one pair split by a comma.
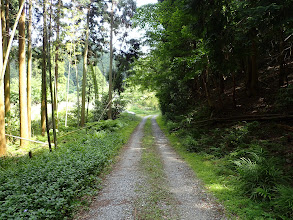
x,y
111,63
252,71
96,88
44,67
44,114
50,79
77,83
57,56
82,122
5,32
29,70
22,81
2,111
67,92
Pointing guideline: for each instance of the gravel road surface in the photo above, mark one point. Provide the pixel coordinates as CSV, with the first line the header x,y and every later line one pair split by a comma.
x,y
116,201
193,202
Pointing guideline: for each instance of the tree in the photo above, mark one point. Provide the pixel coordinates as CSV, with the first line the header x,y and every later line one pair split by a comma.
x,y
2,112
44,110
5,33
111,60
22,81
44,68
57,54
118,20
85,54
68,83
29,69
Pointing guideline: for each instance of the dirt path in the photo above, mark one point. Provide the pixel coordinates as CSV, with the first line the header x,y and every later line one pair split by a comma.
x,y
117,199
193,202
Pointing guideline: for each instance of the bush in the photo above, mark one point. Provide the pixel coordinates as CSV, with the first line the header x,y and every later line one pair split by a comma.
x,y
100,111
283,203
259,174
49,185
285,97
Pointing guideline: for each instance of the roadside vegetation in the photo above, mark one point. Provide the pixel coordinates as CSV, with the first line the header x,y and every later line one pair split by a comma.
x,y
242,164
51,185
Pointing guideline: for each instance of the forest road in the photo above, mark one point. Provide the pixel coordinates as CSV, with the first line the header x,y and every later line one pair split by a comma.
x,y
117,199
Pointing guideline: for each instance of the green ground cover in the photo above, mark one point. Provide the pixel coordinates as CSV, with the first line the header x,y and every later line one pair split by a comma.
x,y
51,185
241,172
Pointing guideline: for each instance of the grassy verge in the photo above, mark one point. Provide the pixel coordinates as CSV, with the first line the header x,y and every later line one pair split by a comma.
x,y
51,185
156,202
250,187
143,112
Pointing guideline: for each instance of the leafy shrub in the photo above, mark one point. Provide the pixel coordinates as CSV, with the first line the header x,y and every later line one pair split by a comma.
x,y
49,185
285,97
259,174
118,106
283,203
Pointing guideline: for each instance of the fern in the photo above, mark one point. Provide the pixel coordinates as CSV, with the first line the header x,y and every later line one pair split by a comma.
x,y
258,175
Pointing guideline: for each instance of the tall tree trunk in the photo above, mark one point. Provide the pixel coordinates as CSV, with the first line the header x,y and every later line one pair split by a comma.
x,y
96,88
67,90
29,70
50,79
206,88
77,83
252,71
88,103
57,56
22,81
111,63
44,67
5,33
44,115
2,111
82,122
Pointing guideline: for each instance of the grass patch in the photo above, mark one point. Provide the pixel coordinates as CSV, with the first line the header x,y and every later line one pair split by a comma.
x,y
156,203
226,179
51,185
143,111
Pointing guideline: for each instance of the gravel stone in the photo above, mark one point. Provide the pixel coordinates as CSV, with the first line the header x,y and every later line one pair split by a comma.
x,y
193,202
119,194
116,199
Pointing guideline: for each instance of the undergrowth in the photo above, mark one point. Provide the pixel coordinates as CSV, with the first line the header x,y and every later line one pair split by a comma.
x,y
51,185
241,165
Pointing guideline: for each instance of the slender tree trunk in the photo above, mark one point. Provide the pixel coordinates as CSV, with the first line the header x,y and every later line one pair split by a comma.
x,y
57,56
29,70
96,88
82,122
205,84
111,63
67,92
44,67
50,78
45,120
5,31
88,103
2,111
22,81
77,83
